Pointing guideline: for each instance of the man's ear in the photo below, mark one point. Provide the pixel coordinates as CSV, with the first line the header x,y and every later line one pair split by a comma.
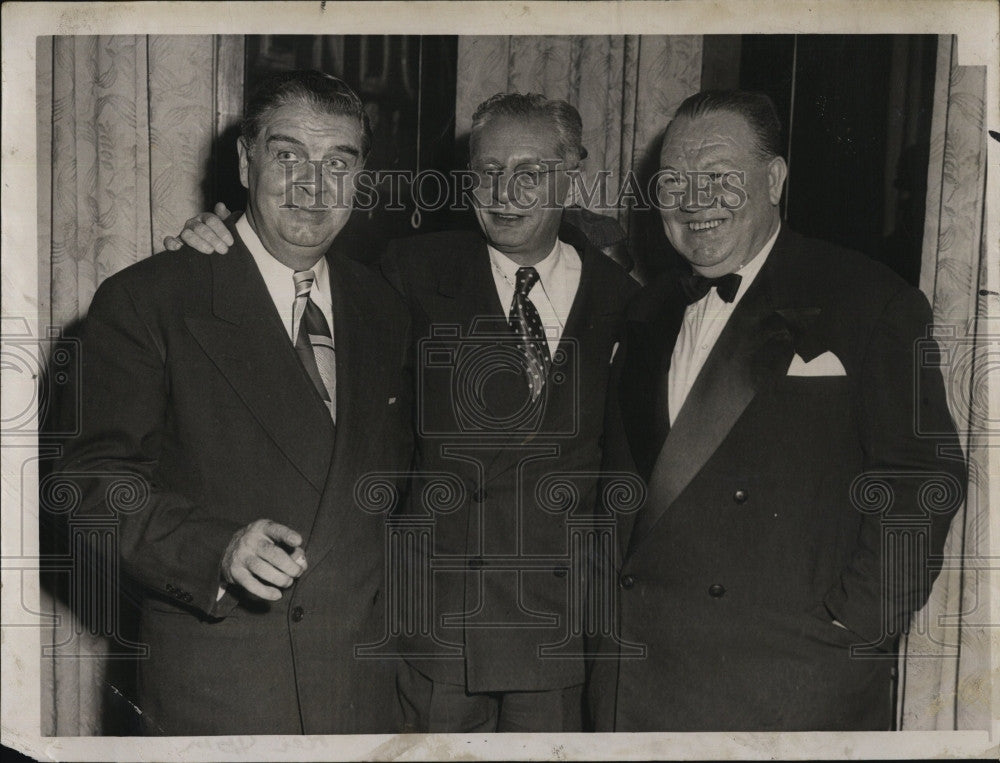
x,y
243,152
777,171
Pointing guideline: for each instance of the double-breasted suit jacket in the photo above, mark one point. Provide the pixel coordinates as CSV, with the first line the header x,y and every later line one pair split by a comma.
x,y
191,385
810,476
502,611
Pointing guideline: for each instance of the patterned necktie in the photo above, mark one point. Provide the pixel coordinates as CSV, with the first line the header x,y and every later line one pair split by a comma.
x,y
526,323
313,341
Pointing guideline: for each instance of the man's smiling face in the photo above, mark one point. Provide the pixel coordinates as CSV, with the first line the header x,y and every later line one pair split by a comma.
x,y
295,142
523,225
715,239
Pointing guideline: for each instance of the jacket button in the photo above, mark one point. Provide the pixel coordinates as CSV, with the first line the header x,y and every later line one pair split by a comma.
x,y
297,614
479,496
560,572
740,496
627,581
187,597
475,563
716,591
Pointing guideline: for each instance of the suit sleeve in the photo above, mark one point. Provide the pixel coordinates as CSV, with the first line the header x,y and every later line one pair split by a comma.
x,y
913,483
164,540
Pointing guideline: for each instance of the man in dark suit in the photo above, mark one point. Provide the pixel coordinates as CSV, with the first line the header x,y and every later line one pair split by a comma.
x,y
514,327
772,401
247,395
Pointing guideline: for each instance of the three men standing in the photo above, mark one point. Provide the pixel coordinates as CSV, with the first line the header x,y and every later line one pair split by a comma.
x,y
763,397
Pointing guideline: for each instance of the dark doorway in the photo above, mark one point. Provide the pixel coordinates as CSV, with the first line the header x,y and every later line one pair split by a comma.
x,y
857,115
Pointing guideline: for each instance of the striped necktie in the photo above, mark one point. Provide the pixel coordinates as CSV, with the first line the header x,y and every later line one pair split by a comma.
x,y
526,323
314,342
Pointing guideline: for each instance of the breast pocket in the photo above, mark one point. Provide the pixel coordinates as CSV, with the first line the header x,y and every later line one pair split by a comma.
x,y
813,390
809,407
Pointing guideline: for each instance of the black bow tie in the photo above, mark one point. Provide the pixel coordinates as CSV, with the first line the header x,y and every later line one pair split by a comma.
x,y
695,287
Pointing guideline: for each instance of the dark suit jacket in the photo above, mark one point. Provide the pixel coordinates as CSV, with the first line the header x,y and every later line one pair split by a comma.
x,y
191,384
784,502
501,611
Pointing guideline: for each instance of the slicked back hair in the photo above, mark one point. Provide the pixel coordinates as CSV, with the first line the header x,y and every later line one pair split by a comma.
x,y
756,108
563,117
322,92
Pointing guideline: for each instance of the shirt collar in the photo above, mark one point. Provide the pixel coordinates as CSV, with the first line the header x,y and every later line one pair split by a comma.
x,y
545,268
275,272
749,270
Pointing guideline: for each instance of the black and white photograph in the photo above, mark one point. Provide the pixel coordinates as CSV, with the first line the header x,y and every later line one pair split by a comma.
x,y
532,381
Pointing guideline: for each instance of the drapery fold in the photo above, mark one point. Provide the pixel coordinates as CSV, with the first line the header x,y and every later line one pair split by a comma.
x,y
946,664
127,144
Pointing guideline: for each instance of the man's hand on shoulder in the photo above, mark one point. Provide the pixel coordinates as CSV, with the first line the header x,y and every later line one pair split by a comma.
x,y
255,559
205,232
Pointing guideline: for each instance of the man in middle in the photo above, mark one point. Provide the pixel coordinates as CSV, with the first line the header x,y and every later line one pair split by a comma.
x,y
514,330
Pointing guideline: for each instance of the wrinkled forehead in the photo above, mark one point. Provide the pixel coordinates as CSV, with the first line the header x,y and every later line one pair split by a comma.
x,y
305,120
720,135
517,137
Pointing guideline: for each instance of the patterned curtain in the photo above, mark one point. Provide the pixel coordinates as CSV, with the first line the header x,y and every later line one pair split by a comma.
x,y
128,130
626,89
944,680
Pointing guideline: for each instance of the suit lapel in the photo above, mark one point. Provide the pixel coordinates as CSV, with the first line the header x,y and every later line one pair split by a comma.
x,y
473,304
651,335
755,347
470,284
585,307
357,328
250,347
352,325
584,312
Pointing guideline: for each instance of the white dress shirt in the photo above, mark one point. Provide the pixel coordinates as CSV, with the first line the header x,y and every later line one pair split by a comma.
x,y
553,293
703,323
280,282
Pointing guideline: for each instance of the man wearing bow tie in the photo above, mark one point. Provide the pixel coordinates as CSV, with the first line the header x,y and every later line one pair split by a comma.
x,y
770,399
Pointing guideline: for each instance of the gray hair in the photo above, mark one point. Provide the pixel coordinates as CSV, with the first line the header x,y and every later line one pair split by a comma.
x,y
563,117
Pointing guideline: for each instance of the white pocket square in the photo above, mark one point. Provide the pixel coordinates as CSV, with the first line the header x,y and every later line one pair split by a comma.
x,y
826,364
614,351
